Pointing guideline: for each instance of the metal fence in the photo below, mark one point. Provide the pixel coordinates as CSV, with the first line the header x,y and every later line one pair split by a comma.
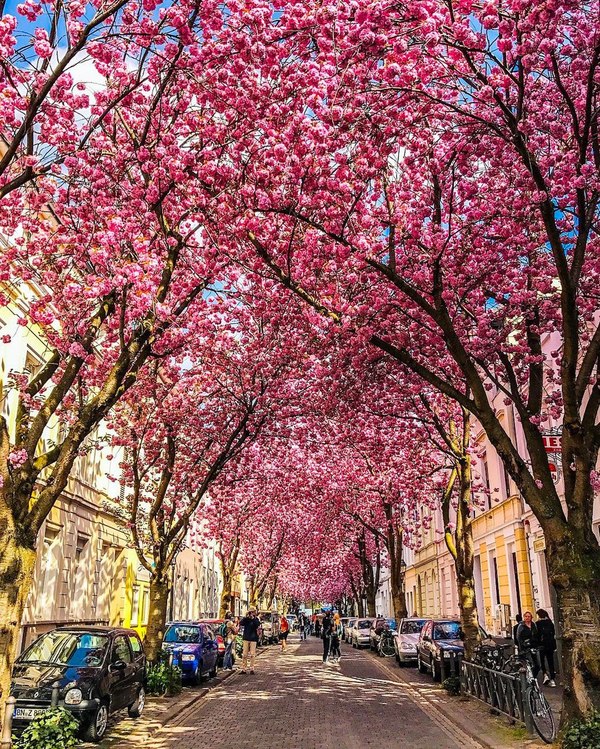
x,y
505,693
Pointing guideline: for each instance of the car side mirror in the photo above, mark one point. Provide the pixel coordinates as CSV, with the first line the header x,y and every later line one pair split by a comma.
x,y
118,666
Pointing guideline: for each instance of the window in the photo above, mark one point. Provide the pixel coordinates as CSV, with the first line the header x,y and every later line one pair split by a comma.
x,y
135,606
495,579
48,572
32,365
145,606
79,577
136,645
68,649
485,480
121,650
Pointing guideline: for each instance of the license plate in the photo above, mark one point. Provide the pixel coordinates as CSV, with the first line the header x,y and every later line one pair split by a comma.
x,y
27,713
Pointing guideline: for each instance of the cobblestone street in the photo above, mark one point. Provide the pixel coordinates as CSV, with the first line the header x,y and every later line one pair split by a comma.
x,y
295,700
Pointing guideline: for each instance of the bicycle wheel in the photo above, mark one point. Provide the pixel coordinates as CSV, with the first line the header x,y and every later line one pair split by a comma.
x,y
387,649
541,713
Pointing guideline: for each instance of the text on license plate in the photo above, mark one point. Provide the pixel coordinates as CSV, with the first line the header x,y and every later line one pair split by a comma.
x,y
27,713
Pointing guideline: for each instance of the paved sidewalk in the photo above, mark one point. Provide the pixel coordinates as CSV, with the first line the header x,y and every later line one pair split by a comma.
x,y
296,700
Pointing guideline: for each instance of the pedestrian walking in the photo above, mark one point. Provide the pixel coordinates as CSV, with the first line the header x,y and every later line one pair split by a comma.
x,y
336,636
528,641
230,631
251,624
547,642
284,630
326,636
318,626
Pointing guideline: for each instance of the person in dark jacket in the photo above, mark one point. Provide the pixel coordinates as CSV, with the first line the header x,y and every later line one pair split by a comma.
x,y
528,641
518,620
547,641
327,630
251,624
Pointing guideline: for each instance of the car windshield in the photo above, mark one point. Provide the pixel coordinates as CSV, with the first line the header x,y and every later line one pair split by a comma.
x,y
183,633
364,624
391,624
78,649
413,627
446,631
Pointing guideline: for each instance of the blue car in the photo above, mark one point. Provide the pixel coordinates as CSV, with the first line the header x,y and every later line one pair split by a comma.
x,y
194,647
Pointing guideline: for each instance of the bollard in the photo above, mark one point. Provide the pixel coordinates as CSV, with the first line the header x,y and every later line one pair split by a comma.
x,y
55,693
6,739
526,716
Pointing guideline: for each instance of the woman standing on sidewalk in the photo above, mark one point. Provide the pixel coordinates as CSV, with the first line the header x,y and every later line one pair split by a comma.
x,y
229,636
547,642
336,634
284,630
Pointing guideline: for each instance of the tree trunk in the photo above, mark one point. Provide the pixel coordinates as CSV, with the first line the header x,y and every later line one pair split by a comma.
x,y
574,570
464,560
394,547
17,564
371,603
157,615
226,597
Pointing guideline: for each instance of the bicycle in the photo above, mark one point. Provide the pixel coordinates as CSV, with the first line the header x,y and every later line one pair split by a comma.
x,y
385,647
539,708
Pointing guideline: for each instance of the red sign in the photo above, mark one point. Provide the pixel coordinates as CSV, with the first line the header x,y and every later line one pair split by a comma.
x,y
552,443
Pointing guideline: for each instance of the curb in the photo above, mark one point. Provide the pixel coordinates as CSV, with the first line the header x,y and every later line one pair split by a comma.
x,y
418,697
171,715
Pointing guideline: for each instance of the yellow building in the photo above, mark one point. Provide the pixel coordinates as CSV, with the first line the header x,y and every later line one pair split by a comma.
x,y
509,567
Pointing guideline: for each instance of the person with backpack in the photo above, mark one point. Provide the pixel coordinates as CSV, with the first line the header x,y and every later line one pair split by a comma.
x,y
547,636
284,630
528,641
336,635
327,631
228,632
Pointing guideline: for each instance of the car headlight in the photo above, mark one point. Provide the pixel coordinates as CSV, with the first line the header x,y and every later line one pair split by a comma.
x,y
73,697
188,657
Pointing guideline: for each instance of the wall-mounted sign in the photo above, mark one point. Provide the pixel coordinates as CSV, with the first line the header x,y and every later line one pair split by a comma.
x,y
539,544
552,440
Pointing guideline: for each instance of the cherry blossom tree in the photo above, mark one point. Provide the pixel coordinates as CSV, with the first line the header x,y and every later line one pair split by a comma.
x,y
105,216
432,187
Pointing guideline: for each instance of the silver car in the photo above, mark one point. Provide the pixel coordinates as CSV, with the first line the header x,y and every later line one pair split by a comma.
x,y
406,639
348,630
361,632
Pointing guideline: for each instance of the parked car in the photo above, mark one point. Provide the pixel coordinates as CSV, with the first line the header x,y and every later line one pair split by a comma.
x,y
293,621
215,625
406,640
194,647
360,632
437,636
99,669
270,627
348,630
378,626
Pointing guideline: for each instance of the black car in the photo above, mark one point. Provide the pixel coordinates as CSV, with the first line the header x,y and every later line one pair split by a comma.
x,y
99,669
439,638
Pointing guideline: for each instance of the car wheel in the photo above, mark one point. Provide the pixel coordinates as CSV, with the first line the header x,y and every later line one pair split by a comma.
x,y
97,728
137,707
435,671
421,666
196,676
